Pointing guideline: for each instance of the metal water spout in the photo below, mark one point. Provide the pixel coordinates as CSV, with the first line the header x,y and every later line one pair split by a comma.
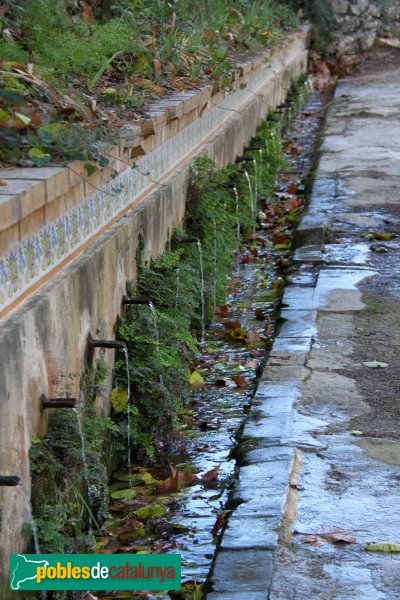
x,y
57,402
9,480
185,240
107,344
128,301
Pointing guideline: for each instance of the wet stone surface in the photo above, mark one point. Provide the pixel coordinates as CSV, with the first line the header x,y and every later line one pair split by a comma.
x,y
337,449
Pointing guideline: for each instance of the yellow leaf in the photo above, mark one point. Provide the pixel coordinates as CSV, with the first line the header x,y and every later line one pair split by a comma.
x,y
196,378
23,118
118,399
384,547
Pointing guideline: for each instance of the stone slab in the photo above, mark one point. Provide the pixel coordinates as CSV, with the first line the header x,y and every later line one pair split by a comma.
x,y
251,532
241,572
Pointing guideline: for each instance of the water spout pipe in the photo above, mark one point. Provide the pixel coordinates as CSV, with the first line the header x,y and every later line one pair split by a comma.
x,y
186,240
127,300
57,402
107,344
9,480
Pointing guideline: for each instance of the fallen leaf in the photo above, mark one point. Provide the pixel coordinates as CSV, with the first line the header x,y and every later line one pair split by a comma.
x,y
252,336
3,182
196,379
374,364
336,536
232,325
221,520
222,311
127,494
153,510
383,547
183,477
210,475
240,381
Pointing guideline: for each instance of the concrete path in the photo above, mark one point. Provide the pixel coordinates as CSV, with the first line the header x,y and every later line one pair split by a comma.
x,y
321,447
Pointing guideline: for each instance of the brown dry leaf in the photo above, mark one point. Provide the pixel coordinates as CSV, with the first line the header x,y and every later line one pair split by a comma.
x,y
3,182
161,546
169,485
221,519
241,382
157,66
292,188
210,475
87,12
232,325
252,336
311,539
222,311
153,87
338,536
183,477
247,258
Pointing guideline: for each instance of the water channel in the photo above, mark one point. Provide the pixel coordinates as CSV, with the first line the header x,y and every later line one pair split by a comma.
x,y
187,519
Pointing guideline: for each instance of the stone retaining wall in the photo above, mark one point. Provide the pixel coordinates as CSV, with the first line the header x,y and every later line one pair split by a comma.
x,y
358,23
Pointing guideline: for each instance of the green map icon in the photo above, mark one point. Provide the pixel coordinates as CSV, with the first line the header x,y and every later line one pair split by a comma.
x,y
24,570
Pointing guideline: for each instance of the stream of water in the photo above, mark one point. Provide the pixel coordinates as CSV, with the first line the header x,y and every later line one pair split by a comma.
x,y
237,231
246,174
155,326
203,303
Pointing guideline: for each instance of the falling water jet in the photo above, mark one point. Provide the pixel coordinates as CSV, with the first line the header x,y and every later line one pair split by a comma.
x,y
255,181
121,346
203,307
30,519
246,174
237,230
192,240
78,412
178,280
129,301
215,269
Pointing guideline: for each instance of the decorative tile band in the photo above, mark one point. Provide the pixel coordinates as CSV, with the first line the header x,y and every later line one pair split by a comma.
x,y
27,263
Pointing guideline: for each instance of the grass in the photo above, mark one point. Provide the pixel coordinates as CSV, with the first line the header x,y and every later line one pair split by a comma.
x,y
108,60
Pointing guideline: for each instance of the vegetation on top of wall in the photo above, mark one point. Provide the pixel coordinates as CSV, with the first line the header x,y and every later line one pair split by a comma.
x,y
99,63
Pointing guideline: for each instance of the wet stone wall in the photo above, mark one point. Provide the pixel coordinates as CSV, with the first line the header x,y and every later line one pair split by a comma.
x,y
358,23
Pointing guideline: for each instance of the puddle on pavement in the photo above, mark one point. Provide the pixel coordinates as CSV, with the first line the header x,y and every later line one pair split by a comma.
x,y
382,450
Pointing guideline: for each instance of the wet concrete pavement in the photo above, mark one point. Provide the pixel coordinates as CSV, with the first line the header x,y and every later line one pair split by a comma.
x,y
319,452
